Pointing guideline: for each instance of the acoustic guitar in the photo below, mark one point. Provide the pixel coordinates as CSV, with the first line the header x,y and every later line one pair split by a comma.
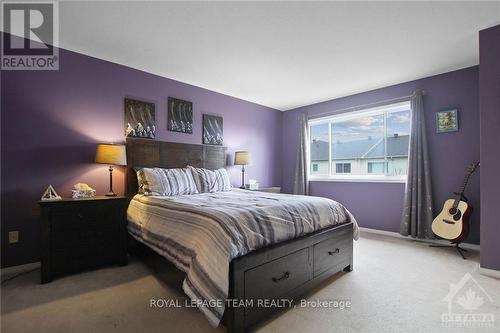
x,y
453,221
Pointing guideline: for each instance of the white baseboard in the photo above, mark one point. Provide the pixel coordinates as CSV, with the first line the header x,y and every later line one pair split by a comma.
x,y
431,241
489,272
13,270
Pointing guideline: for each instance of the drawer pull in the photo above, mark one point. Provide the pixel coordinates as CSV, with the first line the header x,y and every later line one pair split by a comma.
x,y
285,276
337,250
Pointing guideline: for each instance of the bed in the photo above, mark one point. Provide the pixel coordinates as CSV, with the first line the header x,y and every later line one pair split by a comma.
x,y
244,252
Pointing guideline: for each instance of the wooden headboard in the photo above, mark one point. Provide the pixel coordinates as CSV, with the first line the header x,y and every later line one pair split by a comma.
x,y
152,153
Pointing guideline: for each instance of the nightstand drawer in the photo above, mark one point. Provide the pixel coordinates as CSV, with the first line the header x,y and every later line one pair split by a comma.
x,y
79,234
72,216
274,189
92,235
63,262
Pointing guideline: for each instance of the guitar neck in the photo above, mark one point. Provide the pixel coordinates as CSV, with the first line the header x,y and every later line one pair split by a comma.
x,y
461,191
464,184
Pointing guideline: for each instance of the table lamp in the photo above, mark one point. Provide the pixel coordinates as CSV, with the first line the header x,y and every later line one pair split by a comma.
x,y
112,155
242,158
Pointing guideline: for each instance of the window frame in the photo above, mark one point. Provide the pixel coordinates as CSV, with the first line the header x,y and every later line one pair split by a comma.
x,y
343,164
343,116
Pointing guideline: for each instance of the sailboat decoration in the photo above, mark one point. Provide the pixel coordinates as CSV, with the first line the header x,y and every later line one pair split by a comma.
x,y
50,194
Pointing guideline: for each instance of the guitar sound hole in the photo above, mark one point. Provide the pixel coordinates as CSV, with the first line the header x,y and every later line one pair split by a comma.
x,y
453,211
457,215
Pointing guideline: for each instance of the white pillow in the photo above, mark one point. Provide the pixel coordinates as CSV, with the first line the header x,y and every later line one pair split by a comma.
x,y
208,181
166,182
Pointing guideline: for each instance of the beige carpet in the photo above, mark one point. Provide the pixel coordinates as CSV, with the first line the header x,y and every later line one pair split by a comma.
x,y
396,286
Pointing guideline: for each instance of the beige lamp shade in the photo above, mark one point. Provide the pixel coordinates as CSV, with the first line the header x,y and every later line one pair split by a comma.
x,y
242,158
111,154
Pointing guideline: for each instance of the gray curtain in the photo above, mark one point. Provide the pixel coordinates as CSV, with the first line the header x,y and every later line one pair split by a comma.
x,y
417,210
301,183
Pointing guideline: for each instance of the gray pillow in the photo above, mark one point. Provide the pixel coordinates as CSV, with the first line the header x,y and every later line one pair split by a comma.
x,y
208,181
166,182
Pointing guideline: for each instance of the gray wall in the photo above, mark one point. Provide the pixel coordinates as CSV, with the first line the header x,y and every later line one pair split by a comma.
x,y
489,87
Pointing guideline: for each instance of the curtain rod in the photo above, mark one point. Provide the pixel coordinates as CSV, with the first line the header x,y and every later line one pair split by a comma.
x,y
364,106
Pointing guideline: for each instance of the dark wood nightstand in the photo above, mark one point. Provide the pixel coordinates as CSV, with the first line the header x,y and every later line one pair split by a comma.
x,y
273,189
78,234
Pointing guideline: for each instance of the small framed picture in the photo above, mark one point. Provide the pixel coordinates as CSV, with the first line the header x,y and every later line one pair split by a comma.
x,y
447,121
180,115
213,131
139,119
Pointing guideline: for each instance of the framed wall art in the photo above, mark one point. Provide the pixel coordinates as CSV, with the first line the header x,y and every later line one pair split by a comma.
x,y
180,115
447,121
139,119
213,131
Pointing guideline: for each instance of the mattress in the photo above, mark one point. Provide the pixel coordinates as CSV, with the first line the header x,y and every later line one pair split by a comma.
x,y
202,233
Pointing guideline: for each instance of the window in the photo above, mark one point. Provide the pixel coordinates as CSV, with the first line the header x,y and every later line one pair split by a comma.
x,y
376,167
370,144
343,167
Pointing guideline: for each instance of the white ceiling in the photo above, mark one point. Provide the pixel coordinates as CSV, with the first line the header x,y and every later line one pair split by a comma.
x,y
281,55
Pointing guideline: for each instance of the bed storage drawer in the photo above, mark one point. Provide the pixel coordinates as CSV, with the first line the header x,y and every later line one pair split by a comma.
x,y
277,277
335,252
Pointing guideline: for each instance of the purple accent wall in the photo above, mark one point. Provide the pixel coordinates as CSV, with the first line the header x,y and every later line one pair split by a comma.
x,y
379,205
489,99
52,120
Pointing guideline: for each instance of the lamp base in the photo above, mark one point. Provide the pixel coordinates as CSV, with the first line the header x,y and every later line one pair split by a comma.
x,y
110,193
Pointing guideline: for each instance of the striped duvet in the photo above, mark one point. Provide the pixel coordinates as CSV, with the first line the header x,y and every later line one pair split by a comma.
x,y
202,233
